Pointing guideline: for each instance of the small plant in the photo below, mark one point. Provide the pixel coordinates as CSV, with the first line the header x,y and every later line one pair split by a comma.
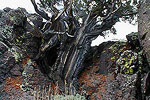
x,y
51,93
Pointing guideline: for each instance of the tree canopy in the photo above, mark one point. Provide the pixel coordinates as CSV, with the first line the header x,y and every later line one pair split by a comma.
x,y
99,10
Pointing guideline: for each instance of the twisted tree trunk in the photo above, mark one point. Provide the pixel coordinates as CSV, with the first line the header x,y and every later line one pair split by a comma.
x,y
66,42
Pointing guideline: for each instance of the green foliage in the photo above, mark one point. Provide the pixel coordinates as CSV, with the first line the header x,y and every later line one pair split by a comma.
x,y
69,97
126,10
16,53
129,10
127,62
99,7
6,31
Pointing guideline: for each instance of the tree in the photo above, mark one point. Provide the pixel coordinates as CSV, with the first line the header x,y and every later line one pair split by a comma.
x,y
69,30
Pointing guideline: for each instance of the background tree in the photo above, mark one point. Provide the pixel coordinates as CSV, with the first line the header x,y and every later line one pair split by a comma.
x,y
70,27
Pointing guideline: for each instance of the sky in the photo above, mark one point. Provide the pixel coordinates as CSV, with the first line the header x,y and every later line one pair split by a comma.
x,y
122,28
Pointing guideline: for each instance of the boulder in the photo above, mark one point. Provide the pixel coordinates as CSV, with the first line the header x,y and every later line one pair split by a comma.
x,y
144,27
112,71
133,41
18,41
109,54
127,62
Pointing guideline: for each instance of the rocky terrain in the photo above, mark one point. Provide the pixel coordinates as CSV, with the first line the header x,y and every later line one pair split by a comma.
x,y
114,70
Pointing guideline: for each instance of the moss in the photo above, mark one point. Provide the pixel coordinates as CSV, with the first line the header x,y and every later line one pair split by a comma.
x,y
148,6
145,30
42,40
127,62
114,46
17,55
17,40
117,46
113,58
6,31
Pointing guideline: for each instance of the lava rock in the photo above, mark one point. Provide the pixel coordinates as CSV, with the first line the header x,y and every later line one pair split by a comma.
x,y
16,70
127,62
109,55
143,28
17,42
133,41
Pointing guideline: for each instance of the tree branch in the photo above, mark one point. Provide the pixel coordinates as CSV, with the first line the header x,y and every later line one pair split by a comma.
x,y
40,12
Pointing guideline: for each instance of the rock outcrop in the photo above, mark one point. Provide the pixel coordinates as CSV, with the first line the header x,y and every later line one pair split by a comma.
x,y
18,45
114,70
144,27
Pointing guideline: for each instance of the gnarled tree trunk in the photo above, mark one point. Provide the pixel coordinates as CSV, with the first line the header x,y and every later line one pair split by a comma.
x,y
67,42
